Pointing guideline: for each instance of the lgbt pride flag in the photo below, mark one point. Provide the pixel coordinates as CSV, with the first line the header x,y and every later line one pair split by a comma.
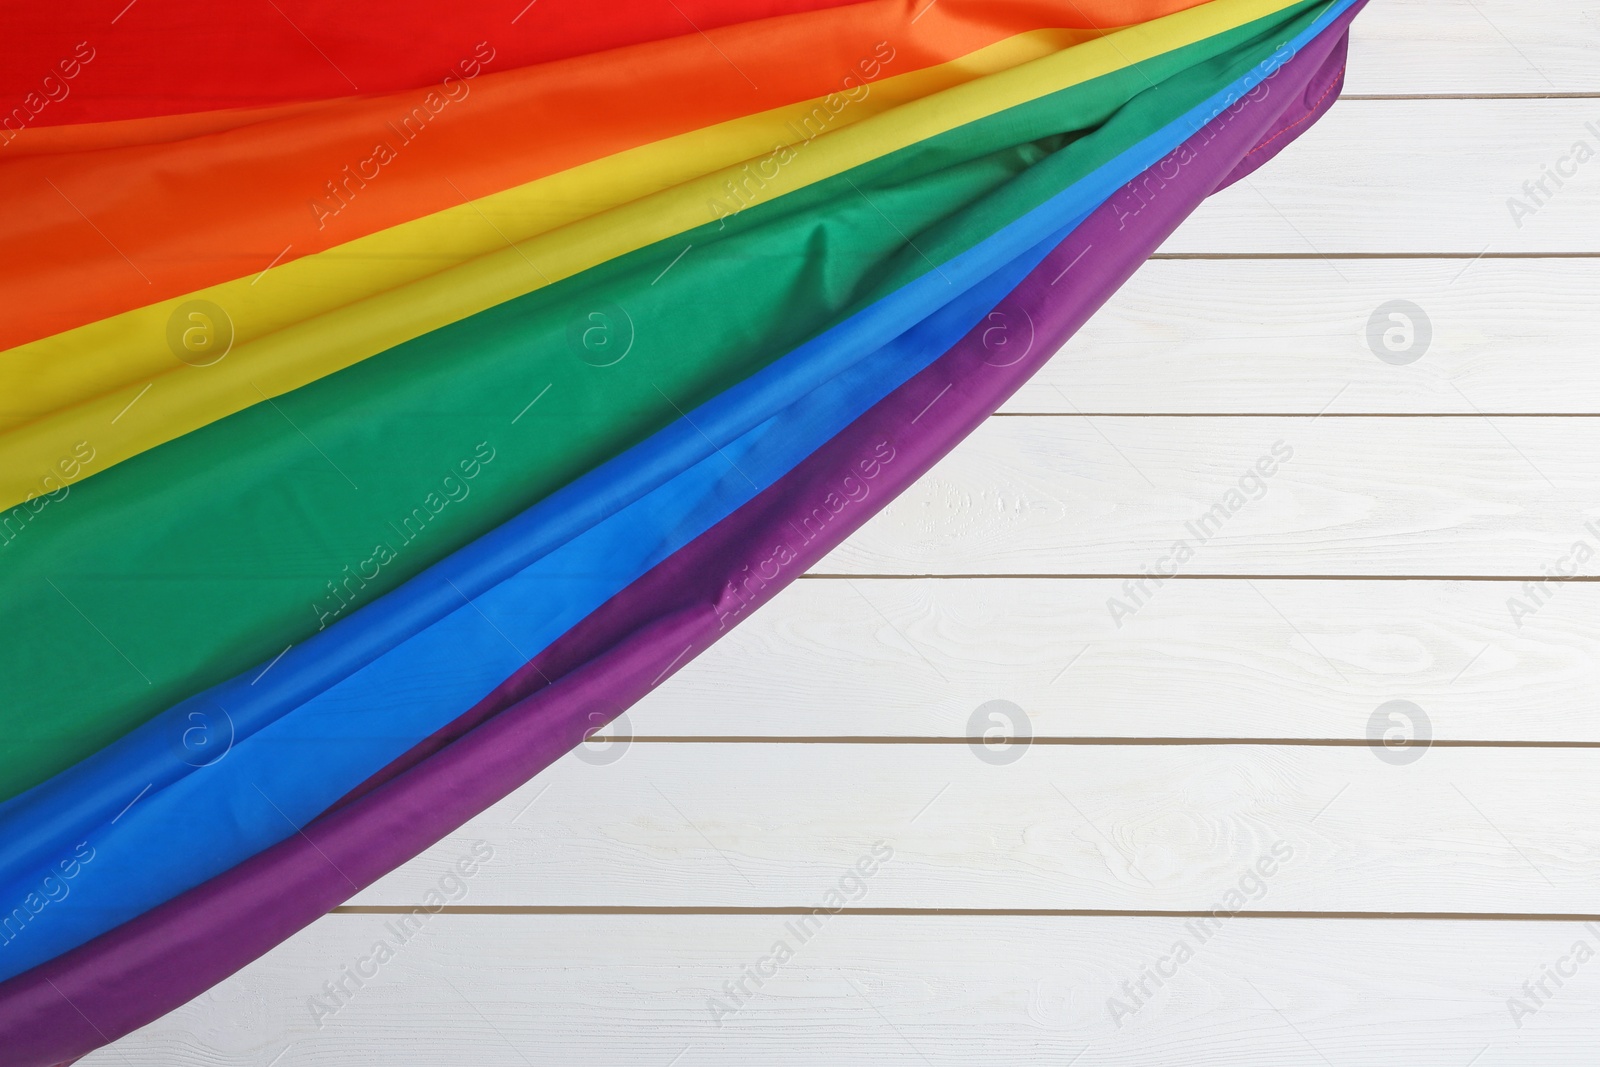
x,y
390,397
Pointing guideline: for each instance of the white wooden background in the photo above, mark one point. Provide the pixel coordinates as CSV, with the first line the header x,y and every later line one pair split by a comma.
x,y
1229,714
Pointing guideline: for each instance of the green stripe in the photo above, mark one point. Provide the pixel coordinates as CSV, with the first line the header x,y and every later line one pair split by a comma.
x,y
190,563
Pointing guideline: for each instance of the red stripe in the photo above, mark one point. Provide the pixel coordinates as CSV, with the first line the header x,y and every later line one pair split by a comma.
x,y
164,57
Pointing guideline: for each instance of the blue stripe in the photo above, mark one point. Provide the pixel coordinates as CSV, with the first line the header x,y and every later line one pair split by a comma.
x,y
339,707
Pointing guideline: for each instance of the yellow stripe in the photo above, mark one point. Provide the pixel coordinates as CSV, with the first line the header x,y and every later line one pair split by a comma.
x,y
129,349
320,314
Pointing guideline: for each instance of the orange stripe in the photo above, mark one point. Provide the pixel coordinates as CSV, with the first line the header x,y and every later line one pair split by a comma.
x,y
105,218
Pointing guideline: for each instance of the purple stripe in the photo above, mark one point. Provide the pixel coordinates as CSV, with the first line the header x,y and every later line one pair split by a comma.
x,y
152,964
1315,100
1316,97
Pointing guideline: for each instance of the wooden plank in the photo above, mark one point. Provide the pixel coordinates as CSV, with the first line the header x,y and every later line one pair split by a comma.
x,y
508,991
1359,496
1386,176
1474,46
1205,658
1125,827
1269,336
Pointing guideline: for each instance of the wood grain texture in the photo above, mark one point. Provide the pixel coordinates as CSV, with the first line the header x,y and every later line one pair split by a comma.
x,y
1475,46
1269,337
509,991
1387,176
1205,658
1115,495
1127,827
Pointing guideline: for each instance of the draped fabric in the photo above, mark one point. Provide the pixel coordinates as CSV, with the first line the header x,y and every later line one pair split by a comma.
x,y
387,410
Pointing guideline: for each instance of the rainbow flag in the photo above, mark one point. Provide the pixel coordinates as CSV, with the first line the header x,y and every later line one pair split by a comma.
x,y
388,404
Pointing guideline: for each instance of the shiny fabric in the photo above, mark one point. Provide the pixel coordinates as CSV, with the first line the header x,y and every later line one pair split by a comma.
x,y
641,636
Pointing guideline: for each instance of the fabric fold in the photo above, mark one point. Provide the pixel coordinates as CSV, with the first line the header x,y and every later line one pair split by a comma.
x,y
306,507
272,783
637,638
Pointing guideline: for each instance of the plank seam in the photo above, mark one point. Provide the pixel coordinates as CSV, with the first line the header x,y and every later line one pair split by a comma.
x,y
1120,575
1061,740
1065,913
